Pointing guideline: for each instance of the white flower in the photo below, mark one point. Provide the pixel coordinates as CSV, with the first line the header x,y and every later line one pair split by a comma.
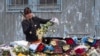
x,y
93,52
55,20
66,47
6,48
53,42
34,46
21,43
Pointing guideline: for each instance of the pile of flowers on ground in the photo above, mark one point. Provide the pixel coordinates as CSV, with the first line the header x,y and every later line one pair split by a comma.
x,y
69,47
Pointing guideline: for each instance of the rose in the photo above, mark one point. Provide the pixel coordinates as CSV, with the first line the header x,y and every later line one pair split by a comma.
x,y
80,51
70,41
40,47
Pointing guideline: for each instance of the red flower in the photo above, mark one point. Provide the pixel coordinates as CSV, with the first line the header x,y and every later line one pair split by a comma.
x,y
40,47
80,51
70,41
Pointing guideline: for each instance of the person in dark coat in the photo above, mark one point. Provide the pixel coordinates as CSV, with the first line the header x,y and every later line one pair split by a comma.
x,y
30,24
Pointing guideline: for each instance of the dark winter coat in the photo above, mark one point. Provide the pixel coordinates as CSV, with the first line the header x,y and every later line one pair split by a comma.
x,y
30,27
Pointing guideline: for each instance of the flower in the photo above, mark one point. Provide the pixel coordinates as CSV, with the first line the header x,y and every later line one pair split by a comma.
x,y
49,47
55,20
19,49
90,40
80,51
20,54
44,28
33,47
40,33
53,42
70,41
40,47
66,47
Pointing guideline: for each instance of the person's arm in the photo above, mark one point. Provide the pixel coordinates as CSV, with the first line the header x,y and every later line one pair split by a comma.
x,y
43,21
26,27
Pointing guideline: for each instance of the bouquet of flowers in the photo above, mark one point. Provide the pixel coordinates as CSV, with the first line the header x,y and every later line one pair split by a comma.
x,y
19,50
44,28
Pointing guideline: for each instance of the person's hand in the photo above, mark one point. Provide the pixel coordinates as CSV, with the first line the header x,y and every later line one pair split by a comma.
x,y
55,20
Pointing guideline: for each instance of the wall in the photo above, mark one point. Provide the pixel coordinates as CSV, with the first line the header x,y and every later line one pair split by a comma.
x,y
76,18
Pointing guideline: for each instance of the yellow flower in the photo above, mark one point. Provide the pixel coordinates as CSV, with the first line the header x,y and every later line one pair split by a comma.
x,y
66,47
53,42
20,54
90,40
40,33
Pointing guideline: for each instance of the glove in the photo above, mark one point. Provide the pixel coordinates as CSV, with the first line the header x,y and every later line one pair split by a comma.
x,y
55,20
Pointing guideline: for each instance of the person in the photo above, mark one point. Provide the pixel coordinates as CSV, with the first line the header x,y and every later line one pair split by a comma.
x,y
30,24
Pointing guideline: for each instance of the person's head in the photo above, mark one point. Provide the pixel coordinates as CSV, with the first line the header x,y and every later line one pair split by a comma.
x,y
28,13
